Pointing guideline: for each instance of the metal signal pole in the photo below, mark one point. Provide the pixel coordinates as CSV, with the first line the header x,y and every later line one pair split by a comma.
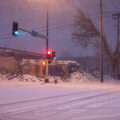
x,y
47,17
101,44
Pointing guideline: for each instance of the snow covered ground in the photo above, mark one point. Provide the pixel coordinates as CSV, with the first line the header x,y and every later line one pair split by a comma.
x,y
82,98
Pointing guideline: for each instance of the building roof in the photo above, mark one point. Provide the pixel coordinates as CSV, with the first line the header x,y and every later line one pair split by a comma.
x,y
20,53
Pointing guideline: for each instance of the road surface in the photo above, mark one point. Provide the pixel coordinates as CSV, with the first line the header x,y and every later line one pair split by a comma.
x,y
62,104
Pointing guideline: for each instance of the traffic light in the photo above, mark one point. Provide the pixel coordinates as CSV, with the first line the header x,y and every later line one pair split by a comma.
x,y
15,29
53,55
49,54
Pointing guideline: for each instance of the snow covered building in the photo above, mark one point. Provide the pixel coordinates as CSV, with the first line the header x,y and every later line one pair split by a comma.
x,y
23,62
10,59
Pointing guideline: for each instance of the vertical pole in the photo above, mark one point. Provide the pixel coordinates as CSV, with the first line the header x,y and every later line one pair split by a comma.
x,y
101,45
47,25
118,43
46,69
46,78
47,17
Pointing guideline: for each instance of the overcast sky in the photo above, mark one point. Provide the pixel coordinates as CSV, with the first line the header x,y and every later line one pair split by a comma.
x,y
31,15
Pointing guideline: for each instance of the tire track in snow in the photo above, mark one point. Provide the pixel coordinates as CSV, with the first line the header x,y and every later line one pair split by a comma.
x,y
55,104
87,104
40,99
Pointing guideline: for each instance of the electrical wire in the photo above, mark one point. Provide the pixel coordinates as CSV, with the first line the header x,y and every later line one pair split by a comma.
x,y
69,22
58,27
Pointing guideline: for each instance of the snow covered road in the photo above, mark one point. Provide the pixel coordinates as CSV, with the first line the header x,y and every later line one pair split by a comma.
x,y
59,103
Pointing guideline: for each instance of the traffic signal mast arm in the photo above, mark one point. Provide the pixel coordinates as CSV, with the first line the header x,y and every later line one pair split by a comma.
x,y
33,33
24,30
15,29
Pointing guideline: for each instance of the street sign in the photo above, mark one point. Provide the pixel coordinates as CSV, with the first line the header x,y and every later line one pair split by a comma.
x,y
34,33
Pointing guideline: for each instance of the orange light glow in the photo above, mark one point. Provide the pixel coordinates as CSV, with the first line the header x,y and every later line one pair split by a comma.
x,y
43,62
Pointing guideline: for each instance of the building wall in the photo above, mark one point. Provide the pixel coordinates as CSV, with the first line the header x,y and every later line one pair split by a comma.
x,y
7,64
33,67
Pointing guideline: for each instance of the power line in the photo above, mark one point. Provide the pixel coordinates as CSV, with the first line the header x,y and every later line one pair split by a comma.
x,y
69,22
55,28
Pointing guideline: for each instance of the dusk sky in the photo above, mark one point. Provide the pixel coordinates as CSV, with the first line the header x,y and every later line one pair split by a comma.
x,y
31,15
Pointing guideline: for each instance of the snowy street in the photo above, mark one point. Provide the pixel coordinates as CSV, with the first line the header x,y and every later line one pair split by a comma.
x,y
86,101
59,60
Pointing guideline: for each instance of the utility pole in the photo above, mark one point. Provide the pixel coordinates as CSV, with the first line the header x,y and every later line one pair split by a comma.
x,y
47,25
47,17
101,44
117,16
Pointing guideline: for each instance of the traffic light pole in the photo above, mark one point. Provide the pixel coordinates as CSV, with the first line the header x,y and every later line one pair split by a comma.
x,y
47,17
47,29
46,79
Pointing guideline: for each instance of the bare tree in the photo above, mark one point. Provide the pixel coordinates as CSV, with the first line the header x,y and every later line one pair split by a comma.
x,y
86,33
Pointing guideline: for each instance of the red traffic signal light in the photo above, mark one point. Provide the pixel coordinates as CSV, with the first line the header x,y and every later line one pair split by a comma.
x,y
49,54
15,29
